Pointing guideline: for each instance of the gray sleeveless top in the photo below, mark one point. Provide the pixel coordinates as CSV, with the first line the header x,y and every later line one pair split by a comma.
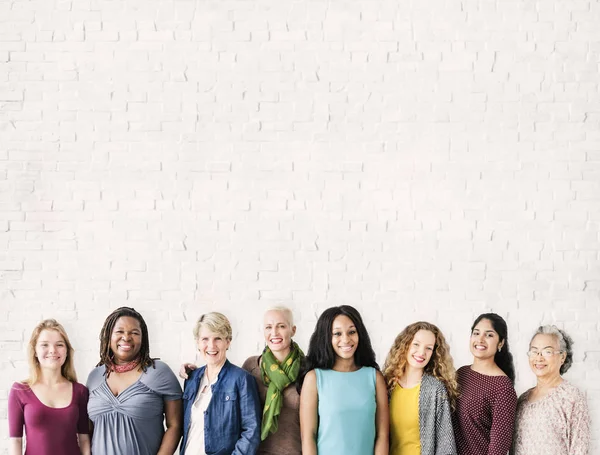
x,y
132,422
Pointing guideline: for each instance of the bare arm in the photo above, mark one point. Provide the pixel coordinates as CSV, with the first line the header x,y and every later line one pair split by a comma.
x,y
382,417
15,446
309,415
84,444
174,421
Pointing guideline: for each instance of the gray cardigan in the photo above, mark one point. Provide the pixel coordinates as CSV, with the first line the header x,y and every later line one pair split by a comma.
x,y
435,422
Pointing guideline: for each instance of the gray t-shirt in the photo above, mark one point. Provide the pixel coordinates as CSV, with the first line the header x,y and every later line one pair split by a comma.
x,y
132,422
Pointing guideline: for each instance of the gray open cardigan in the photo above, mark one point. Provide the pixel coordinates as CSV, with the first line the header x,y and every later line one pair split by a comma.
x,y
435,422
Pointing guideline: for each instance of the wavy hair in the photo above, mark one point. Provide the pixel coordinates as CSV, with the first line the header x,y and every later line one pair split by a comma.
x,y
565,343
320,350
106,353
68,368
440,366
503,358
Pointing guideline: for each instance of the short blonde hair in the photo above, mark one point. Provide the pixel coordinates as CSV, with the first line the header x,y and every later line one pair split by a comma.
x,y
35,371
215,322
289,316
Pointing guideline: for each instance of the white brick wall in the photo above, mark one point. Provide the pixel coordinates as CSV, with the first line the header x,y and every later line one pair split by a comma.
x,y
416,160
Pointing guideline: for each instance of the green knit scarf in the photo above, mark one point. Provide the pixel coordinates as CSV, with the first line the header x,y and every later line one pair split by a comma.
x,y
277,377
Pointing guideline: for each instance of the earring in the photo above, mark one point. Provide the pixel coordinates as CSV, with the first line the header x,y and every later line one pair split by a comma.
x,y
500,349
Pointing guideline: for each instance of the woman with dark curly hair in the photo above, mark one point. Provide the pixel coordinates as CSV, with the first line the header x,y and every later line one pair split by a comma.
x,y
422,385
552,417
343,400
485,409
131,393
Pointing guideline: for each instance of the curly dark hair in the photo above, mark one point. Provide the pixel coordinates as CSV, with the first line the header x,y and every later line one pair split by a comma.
x,y
106,353
320,351
503,358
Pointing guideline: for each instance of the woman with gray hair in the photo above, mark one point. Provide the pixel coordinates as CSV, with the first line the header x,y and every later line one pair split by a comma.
x,y
221,407
552,417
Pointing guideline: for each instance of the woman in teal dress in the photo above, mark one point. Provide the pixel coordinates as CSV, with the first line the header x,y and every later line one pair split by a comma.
x,y
343,400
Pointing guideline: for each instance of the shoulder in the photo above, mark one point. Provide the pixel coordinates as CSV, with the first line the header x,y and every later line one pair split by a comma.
x,y
251,363
571,393
95,377
432,383
80,389
18,390
237,373
524,396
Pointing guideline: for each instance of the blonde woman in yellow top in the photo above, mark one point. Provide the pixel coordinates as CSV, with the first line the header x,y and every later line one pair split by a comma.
x,y
422,386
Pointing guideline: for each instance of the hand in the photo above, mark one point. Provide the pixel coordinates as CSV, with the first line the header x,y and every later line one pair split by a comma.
x,y
186,369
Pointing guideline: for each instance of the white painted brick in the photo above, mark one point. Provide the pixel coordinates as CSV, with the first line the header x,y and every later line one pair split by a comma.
x,y
418,163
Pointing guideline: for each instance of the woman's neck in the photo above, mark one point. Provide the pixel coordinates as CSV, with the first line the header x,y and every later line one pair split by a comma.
x,y
411,377
345,365
485,366
212,371
51,377
544,384
281,355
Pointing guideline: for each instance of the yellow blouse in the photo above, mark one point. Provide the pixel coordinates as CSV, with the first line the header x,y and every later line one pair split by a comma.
x,y
404,421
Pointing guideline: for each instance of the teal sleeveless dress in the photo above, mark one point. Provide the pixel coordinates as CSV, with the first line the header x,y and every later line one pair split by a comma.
x,y
347,405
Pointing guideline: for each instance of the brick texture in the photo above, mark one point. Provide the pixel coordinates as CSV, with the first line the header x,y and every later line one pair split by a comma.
x,y
417,160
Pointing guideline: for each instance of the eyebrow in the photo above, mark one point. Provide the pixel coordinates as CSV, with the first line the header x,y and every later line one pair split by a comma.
x,y
545,347
340,328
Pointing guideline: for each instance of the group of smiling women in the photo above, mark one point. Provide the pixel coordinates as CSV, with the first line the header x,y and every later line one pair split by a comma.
x,y
335,400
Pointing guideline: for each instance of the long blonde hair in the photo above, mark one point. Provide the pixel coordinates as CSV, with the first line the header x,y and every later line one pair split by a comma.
x,y
440,366
68,368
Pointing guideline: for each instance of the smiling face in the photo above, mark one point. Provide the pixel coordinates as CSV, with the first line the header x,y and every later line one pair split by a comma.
x,y
51,349
344,337
546,367
277,331
485,341
213,347
421,349
126,339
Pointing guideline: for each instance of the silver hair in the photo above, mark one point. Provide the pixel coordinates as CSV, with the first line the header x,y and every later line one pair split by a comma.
x,y
287,313
565,343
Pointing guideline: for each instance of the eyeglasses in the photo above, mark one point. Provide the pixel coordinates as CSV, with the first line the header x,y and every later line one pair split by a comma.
x,y
545,353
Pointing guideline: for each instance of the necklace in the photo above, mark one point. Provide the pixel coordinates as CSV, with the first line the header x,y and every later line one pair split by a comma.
x,y
124,368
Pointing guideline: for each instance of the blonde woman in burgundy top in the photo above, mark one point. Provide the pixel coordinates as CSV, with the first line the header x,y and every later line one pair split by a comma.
x,y
51,405
552,417
485,409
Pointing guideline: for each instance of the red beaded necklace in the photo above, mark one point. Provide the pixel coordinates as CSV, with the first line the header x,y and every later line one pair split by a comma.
x,y
124,368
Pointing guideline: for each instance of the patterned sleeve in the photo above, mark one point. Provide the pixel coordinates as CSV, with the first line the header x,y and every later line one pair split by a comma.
x,y
503,419
16,415
444,433
579,441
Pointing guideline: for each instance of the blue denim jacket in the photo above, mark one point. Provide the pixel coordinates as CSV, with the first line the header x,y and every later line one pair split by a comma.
x,y
232,420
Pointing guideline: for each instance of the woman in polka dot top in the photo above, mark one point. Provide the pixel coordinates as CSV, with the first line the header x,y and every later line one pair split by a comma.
x,y
485,410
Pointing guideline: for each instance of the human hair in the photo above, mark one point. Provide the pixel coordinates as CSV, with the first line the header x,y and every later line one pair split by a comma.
x,y
565,343
67,370
440,366
289,316
106,353
215,322
320,350
503,358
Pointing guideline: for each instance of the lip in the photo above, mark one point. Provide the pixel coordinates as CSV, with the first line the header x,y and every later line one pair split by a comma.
x,y
480,347
346,348
276,340
418,359
125,347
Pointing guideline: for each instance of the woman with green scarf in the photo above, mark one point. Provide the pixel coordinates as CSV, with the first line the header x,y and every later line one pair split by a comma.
x,y
276,371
